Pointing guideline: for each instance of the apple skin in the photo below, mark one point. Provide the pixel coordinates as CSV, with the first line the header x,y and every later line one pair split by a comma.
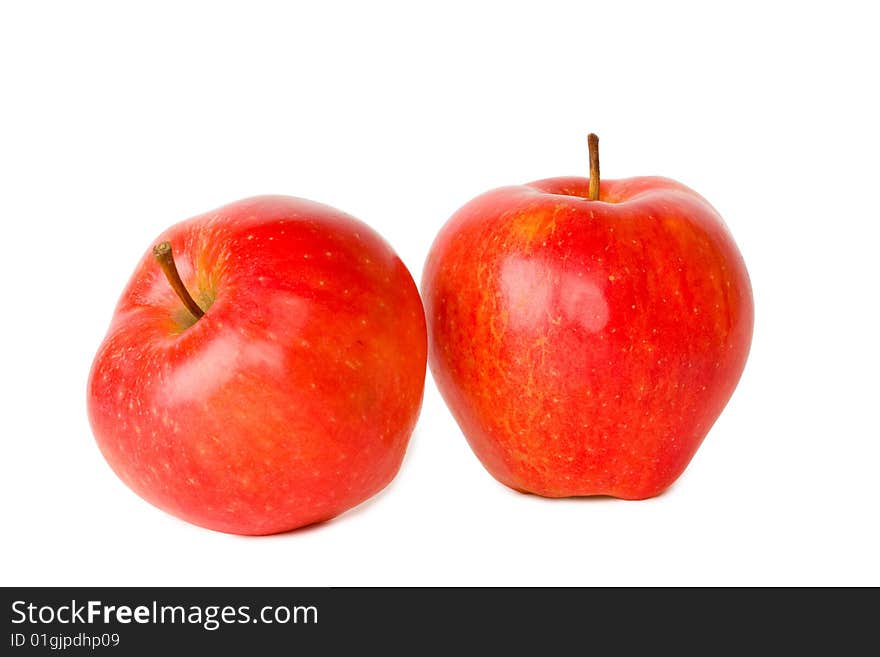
x,y
292,399
586,347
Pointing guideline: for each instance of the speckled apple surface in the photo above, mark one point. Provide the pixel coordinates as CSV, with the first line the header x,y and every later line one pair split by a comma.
x,y
292,399
586,347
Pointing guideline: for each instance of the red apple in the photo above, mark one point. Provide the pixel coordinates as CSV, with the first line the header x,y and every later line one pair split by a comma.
x,y
586,343
292,398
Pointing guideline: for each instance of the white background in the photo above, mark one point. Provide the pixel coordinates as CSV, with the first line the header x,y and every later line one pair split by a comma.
x,y
117,120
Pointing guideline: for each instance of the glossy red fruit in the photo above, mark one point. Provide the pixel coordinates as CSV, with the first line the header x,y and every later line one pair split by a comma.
x,y
292,399
586,347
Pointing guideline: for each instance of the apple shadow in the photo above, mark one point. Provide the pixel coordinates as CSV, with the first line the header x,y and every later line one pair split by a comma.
x,y
318,524
348,513
587,499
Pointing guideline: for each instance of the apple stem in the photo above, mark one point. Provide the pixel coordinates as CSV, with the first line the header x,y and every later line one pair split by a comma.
x,y
593,145
165,257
